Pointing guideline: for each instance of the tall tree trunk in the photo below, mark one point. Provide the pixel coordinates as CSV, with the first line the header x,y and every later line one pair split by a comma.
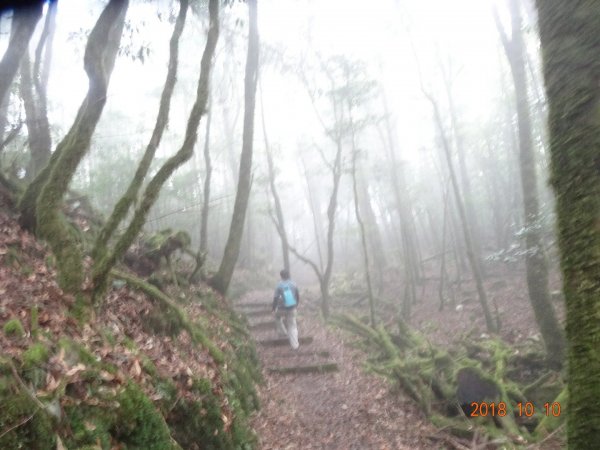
x,y
404,208
122,207
570,38
465,182
222,278
202,254
24,20
473,261
279,220
312,201
371,228
99,59
185,152
361,225
535,258
35,102
38,135
207,184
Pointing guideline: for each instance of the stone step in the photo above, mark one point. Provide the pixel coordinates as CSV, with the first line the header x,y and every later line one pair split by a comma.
x,y
284,341
262,326
258,313
313,368
300,353
245,306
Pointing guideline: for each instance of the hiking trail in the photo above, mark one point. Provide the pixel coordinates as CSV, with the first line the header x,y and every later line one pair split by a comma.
x,y
319,396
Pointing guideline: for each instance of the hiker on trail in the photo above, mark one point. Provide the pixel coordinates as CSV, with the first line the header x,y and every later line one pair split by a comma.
x,y
285,302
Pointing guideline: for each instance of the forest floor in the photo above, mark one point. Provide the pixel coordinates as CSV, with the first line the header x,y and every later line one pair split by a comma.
x,y
347,409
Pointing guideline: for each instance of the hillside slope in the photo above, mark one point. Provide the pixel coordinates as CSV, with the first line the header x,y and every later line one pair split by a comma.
x,y
139,372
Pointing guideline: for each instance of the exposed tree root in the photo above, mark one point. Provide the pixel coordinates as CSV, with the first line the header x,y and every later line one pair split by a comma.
x,y
446,383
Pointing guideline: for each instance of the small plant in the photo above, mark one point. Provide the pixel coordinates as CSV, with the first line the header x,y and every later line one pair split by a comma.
x,y
35,355
14,328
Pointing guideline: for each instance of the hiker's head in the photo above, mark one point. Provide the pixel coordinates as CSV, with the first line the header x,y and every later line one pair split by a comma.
x,y
285,275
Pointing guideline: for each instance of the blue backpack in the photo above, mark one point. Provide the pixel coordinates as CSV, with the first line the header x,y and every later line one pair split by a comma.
x,y
289,299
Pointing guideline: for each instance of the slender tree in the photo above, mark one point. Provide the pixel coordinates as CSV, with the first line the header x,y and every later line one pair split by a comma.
x,y
473,261
361,224
278,220
34,81
570,39
103,265
24,20
122,207
220,281
535,258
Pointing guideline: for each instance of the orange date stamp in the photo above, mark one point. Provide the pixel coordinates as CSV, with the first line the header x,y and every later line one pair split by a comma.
x,y
500,409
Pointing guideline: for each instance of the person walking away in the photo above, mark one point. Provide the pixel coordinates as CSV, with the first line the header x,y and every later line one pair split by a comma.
x,y
285,304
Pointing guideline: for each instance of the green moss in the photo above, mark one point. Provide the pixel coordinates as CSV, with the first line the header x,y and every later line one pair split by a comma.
x,y
193,422
34,321
14,328
89,426
34,434
148,365
35,355
140,425
81,310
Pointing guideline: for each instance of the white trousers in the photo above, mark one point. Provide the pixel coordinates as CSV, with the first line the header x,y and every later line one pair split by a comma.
x,y
285,320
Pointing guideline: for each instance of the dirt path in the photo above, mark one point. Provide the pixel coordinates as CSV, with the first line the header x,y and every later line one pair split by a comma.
x,y
346,409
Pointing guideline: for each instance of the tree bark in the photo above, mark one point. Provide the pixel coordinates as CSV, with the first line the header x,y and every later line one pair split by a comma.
x,y
122,207
535,258
99,59
104,265
570,39
24,20
222,278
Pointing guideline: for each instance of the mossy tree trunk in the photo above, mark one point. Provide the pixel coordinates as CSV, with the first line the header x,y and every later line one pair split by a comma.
x,y
99,59
24,20
220,281
40,141
122,207
535,259
202,253
38,129
206,191
103,265
570,38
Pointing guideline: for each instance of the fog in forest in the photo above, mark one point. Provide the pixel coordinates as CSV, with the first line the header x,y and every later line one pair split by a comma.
x,y
392,155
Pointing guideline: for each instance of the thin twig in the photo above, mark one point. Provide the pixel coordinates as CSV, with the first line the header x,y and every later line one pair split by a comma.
x,y
22,422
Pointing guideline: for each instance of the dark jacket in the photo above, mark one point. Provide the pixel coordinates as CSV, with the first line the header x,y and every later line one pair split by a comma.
x,y
278,295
